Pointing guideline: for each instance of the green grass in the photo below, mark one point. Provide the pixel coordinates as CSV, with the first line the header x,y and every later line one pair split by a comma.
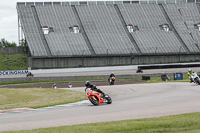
x,y
53,81
13,62
24,82
48,81
36,97
185,123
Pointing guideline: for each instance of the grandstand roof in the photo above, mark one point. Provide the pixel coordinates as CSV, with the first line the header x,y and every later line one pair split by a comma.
x,y
74,2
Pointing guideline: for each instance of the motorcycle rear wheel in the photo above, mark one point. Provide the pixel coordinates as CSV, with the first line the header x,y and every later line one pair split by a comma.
x,y
112,82
94,101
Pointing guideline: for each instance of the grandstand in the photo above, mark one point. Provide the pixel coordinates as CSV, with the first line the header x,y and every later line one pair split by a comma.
x,y
102,33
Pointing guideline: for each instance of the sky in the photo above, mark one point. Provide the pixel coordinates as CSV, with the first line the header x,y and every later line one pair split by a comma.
x,y
8,20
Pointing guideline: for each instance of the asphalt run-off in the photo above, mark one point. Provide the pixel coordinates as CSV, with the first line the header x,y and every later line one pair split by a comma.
x,y
131,101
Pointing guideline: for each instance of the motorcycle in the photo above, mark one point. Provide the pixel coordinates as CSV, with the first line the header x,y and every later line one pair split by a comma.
x,y
96,98
139,71
195,78
112,80
29,74
54,86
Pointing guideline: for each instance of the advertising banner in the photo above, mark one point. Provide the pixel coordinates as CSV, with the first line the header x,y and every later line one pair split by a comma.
x,y
13,72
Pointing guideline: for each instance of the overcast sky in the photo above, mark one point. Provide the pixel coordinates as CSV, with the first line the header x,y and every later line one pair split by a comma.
x,y
8,20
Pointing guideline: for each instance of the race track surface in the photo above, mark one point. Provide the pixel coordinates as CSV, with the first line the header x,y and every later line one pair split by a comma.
x,y
131,101
102,72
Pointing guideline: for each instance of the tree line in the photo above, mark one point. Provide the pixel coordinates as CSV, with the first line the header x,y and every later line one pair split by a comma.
x,y
4,43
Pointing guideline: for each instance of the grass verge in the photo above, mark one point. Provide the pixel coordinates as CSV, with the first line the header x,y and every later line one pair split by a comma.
x,y
185,123
13,62
48,81
36,97
152,80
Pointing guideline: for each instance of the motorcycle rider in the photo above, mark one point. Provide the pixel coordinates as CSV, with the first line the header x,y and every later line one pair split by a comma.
x,y
139,69
190,73
93,87
54,86
29,74
111,75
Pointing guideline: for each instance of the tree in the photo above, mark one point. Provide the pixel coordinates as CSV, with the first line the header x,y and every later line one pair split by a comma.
x,y
23,43
2,43
5,43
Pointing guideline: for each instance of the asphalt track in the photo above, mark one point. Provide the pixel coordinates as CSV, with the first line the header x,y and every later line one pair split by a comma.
x,y
129,102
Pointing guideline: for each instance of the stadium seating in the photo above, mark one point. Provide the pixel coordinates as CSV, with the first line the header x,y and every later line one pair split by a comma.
x,y
105,32
150,38
184,16
31,32
110,36
62,41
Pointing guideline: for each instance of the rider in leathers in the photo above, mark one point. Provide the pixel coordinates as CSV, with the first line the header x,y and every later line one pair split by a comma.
x,y
111,75
93,87
190,73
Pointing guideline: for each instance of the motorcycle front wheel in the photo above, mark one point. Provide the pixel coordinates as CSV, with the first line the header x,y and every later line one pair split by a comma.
x,y
198,81
94,101
108,98
112,82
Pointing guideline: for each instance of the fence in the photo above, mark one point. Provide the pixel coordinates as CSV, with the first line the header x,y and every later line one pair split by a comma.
x,y
13,50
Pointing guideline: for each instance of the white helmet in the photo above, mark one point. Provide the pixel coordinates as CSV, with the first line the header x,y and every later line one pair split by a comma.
x,y
189,70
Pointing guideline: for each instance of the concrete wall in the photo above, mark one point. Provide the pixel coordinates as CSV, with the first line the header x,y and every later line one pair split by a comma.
x,y
78,62
109,61
13,50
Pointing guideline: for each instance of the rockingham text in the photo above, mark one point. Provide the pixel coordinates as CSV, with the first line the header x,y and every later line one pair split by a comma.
x,y
13,72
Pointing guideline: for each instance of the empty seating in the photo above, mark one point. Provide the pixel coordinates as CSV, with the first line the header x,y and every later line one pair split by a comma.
x,y
184,16
105,31
151,39
62,41
31,32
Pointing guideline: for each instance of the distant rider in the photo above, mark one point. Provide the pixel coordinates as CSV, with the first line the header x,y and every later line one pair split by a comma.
x,y
190,73
139,69
111,75
93,87
29,74
54,86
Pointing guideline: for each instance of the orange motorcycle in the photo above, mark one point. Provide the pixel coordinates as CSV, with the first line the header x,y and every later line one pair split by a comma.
x,y
96,98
